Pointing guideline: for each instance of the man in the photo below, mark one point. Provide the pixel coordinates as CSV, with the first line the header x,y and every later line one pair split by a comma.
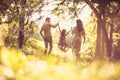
x,y
46,35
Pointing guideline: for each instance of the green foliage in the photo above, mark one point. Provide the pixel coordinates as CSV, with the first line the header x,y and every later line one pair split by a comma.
x,y
30,30
33,46
116,46
30,63
11,38
12,59
11,41
4,5
3,34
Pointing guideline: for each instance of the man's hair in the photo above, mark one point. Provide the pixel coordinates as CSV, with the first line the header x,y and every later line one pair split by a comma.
x,y
47,18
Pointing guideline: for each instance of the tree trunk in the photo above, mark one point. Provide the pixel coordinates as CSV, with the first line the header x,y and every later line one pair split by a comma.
x,y
21,31
106,39
111,39
21,25
99,42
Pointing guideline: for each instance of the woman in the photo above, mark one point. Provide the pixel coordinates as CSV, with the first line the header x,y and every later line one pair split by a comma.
x,y
78,32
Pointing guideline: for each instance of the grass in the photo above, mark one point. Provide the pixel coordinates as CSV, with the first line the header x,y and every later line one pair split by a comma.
x,y
16,65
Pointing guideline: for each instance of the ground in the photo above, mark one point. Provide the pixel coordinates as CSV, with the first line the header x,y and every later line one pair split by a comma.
x,y
15,65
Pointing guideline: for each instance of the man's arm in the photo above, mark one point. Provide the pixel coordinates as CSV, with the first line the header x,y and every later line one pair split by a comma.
x,y
54,26
41,33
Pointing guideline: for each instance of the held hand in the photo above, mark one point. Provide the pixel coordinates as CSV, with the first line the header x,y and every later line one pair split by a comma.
x,y
54,26
57,24
71,29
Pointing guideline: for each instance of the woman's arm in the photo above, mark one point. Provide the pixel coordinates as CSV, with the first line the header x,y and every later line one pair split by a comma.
x,y
74,30
68,32
83,34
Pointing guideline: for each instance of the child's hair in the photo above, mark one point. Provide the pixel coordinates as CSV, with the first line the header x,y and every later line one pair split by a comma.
x,y
63,32
79,25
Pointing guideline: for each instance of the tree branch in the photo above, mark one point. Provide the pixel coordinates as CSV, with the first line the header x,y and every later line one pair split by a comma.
x,y
91,6
61,2
7,22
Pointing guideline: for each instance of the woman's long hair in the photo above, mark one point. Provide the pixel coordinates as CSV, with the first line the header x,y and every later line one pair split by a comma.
x,y
79,25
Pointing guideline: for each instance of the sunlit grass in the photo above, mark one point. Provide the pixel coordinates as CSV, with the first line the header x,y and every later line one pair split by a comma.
x,y
15,65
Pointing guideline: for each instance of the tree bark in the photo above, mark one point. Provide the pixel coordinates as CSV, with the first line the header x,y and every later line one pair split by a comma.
x,y
107,40
21,25
21,31
111,38
99,42
103,42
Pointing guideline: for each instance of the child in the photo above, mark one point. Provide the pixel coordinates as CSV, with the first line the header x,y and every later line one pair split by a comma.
x,y
62,42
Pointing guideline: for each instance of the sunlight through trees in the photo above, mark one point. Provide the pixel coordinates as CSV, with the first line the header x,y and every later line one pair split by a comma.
x,y
22,47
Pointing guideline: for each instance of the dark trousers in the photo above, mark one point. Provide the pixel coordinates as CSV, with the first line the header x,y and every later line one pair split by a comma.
x,y
48,41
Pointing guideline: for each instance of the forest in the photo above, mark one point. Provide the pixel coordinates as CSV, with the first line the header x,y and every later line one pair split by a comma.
x,y
22,47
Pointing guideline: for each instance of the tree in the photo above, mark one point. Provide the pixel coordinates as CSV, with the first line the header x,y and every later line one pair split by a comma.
x,y
103,12
20,12
21,23
100,8
114,30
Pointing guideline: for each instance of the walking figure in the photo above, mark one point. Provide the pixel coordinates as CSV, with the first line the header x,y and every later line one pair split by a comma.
x,y
46,34
79,34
